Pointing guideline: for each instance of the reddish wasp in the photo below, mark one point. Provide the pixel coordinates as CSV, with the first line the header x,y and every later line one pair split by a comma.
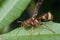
x,y
35,22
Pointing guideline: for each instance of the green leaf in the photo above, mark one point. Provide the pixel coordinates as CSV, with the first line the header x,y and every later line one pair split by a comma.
x,y
4,29
24,34
11,10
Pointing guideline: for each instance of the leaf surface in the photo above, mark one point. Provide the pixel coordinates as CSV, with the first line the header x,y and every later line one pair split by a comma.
x,y
10,10
23,34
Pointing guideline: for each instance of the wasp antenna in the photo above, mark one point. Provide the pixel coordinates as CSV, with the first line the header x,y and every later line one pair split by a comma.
x,y
48,28
19,22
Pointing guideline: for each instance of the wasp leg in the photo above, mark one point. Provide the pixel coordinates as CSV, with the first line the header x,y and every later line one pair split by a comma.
x,y
48,28
19,22
38,29
31,32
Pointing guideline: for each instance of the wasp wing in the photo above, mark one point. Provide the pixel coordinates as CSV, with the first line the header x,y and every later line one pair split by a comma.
x,y
38,4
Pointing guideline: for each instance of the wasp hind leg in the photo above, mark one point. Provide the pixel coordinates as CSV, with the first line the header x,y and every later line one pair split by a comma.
x,y
45,26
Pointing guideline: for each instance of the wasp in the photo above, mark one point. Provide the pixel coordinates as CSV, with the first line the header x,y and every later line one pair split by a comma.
x,y
35,22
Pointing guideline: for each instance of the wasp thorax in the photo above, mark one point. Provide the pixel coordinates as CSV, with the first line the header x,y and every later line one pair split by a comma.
x,y
47,17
